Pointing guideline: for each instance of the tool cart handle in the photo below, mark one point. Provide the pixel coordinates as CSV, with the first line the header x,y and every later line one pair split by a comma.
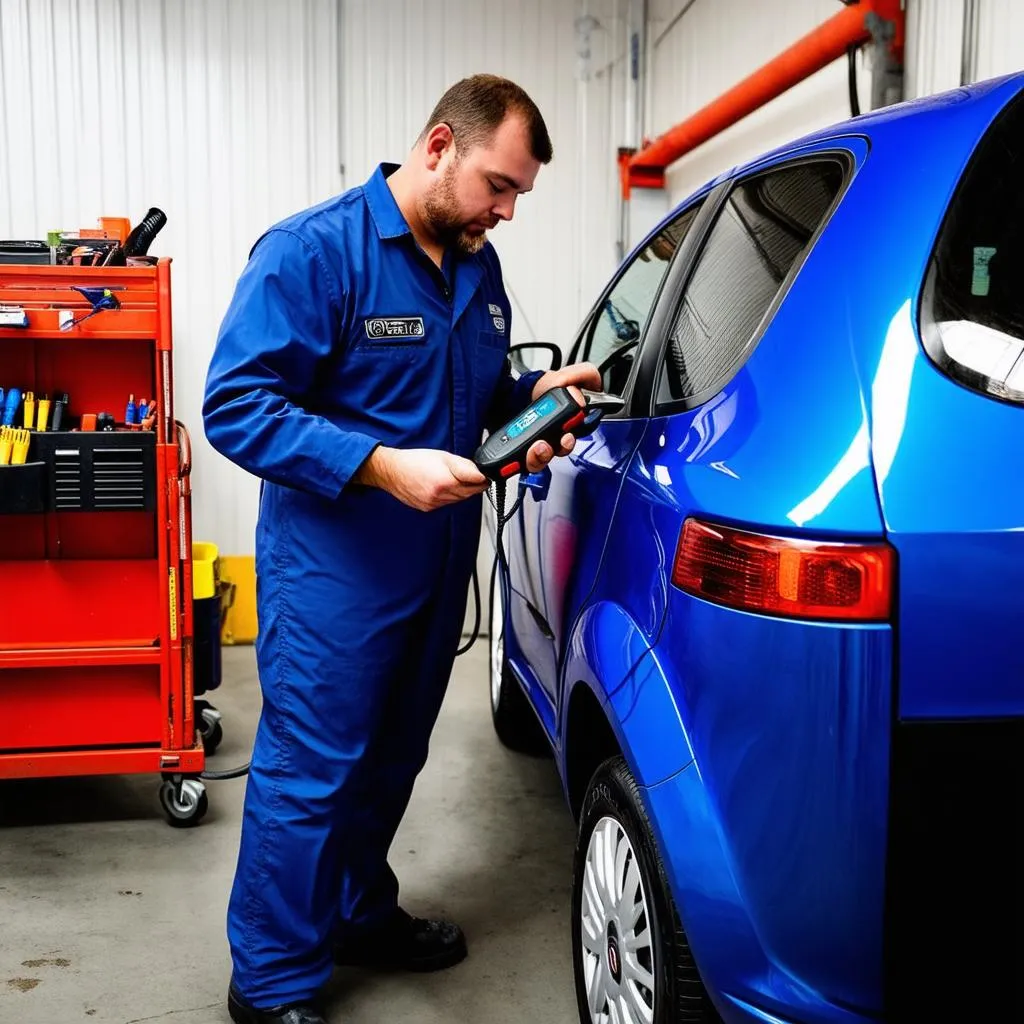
x,y
184,450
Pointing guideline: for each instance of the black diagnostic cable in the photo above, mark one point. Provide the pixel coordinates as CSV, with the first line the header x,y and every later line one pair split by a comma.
x,y
501,456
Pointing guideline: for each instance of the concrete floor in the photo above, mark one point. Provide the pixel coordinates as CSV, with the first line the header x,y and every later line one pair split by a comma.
x,y
109,916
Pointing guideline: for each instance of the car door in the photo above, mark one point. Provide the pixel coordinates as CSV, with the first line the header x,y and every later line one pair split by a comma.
x,y
706,413
567,509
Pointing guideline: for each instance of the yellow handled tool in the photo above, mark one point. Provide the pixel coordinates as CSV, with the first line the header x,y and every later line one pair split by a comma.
x,y
30,410
6,445
43,415
20,450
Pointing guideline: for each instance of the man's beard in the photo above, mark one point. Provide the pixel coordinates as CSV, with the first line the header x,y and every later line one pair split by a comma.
x,y
441,214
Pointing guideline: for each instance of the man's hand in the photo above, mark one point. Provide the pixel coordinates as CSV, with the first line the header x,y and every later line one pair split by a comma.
x,y
423,478
584,375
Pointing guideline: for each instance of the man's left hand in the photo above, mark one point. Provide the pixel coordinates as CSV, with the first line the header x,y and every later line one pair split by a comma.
x,y
579,375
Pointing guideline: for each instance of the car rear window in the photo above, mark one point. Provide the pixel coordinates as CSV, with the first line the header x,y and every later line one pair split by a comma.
x,y
763,229
972,314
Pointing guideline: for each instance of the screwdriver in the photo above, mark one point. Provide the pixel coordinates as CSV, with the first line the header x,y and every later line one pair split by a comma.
x,y
11,404
59,406
43,414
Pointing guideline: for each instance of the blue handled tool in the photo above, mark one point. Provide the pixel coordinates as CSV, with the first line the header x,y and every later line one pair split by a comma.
x,y
99,298
11,407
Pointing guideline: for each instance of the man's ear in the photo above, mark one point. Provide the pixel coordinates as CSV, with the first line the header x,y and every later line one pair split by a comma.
x,y
439,141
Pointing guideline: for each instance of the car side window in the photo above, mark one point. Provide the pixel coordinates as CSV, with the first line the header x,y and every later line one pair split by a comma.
x,y
618,323
972,310
763,228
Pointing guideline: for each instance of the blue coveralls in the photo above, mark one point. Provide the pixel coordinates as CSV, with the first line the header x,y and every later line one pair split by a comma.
x,y
342,335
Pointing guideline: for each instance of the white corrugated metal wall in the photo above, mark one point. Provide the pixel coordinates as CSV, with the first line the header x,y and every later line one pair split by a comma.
x,y
1000,38
934,46
950,41
398,59
223,113
226,114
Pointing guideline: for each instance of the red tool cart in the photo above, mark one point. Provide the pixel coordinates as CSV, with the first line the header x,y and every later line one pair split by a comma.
x,y
95,536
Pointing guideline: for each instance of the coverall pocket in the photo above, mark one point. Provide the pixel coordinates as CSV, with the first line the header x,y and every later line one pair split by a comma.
x,y
391,344
491,351
406,351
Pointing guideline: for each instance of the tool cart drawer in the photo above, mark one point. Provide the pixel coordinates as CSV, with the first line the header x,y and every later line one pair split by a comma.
x,y
97,472
80,706
22,488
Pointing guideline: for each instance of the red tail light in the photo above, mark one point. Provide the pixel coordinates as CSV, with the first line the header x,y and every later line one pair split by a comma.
x,y
781,576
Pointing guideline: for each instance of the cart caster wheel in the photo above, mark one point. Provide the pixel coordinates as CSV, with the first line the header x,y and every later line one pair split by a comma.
x,y
208,723
185,803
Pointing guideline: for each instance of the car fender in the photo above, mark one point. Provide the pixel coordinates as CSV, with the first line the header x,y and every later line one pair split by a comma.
x,y
611,655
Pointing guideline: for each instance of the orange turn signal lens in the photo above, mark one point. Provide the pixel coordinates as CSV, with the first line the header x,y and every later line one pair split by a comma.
x,y
784,576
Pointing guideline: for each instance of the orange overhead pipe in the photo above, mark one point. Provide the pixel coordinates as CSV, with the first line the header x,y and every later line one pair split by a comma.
x,y
829,41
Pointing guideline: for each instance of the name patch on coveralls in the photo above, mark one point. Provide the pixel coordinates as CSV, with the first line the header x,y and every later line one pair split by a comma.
x,y
394,327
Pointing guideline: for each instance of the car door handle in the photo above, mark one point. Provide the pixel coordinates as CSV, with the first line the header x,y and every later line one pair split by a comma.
x,y
538,483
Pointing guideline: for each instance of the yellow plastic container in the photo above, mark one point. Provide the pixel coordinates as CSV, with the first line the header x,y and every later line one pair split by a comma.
x,y
238,578
206,618
205,570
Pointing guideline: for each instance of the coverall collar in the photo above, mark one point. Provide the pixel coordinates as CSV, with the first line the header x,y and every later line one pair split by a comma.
x,y
390,223
387,217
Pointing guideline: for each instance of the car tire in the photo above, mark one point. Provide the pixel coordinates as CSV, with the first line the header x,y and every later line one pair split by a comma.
x,y
514,720
657,979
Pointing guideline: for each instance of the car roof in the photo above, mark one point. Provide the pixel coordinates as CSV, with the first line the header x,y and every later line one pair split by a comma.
x,y
889,126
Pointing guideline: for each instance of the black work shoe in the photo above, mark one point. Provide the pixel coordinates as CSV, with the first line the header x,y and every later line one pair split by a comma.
x,y
290,1013
405,943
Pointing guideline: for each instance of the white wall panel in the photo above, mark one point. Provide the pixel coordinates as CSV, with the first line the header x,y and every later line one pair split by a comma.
x,y
400,56
222,113
934,46
1000,38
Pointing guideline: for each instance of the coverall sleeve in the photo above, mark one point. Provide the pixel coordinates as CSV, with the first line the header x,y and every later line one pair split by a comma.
x,y
282,323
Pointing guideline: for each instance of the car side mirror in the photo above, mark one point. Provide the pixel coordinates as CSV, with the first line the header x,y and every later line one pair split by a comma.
x,y
531,364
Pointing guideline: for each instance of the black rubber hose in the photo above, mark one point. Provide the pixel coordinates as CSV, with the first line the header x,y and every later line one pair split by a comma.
x,y
142,235
230,773
851,57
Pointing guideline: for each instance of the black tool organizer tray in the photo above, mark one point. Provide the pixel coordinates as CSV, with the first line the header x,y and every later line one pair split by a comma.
x,y
82,471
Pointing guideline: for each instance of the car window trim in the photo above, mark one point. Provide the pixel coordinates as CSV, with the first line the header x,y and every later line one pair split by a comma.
x,y
699,202
623,268
653,365
638,393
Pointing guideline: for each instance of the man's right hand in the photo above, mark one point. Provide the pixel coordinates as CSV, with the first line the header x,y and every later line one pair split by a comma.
x,y
423,478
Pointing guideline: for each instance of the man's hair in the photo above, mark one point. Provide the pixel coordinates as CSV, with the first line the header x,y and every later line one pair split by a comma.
x,y
476,107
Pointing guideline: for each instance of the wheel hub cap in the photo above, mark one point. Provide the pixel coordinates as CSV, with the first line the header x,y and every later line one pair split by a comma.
x,y
614,962
616,929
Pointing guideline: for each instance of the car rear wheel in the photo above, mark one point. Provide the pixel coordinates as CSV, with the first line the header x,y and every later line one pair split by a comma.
x,y
631,959
514,721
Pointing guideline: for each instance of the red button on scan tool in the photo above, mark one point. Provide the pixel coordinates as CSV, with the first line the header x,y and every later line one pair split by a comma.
x,y
575,421
511,469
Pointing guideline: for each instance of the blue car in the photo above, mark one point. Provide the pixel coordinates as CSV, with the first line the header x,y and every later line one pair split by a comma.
x,y
769,617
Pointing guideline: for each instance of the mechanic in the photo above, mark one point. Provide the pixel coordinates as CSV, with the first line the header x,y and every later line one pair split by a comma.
x,y
363,354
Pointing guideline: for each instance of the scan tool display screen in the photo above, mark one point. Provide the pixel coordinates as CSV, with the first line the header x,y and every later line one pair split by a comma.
x,y
545,407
